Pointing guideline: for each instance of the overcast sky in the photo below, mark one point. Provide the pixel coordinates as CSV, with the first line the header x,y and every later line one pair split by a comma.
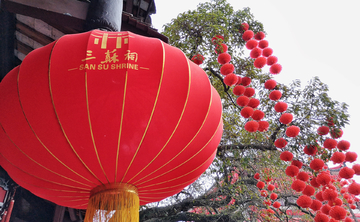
x,y
310,38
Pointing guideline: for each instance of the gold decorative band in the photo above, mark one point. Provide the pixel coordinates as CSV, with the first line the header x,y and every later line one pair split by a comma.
x,y
114,188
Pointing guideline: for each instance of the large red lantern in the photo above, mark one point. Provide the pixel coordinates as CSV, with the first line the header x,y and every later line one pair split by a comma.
x,y
113,117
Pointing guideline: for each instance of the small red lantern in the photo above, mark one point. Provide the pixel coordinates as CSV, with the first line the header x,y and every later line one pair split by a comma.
x,y
113,117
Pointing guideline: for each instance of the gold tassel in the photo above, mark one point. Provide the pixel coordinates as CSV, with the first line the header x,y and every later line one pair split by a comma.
x,y
115,202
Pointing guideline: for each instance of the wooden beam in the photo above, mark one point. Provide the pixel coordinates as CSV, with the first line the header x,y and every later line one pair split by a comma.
x,y
65,29
23,48
76,9
72,214
33,34
67,13
129,6
69,16
59,214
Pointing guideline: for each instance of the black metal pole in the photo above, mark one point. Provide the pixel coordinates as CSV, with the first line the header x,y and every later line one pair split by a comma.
x,y
7,36
105,15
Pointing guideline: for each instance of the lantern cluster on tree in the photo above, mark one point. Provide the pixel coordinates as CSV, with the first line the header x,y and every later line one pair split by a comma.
x,y
319,193
260,50
262,55
328,196
198,59
242,89
316,187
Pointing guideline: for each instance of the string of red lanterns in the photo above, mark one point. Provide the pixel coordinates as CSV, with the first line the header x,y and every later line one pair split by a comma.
x,y
326,203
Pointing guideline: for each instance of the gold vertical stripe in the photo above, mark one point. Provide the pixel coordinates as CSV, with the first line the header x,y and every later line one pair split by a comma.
x,y
96,41
39,178
177,124
58,119
185,160
104,41
68,196
33,131
118,42
151,191
120,128
36,162
82,199
152,112
80,206
182,175
187,145
90,126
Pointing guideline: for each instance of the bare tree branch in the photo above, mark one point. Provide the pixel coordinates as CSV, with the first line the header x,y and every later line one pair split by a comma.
x,y
249,146
186,216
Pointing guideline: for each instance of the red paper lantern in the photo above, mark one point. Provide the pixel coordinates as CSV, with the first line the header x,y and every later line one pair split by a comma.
x,y
239,90
251,126
244,26
248,34
263,44
224,58
242,100
304,201
245,81
275,95
271,187
288,156
198,59
259,36
231,79
297,163
309,190
255,52
276,204
291,170
304,176
263,126
298,185
260,184
316,164
254,103
316,205
260,62
270,84
251,44
280,143
321,217
100,112
275,68
346,173
271,60
273,196
267,52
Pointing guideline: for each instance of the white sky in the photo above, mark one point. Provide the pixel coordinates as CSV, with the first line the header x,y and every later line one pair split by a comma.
x,y
310,38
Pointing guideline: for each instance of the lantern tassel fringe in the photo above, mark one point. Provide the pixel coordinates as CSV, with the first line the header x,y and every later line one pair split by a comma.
x,y
115,202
